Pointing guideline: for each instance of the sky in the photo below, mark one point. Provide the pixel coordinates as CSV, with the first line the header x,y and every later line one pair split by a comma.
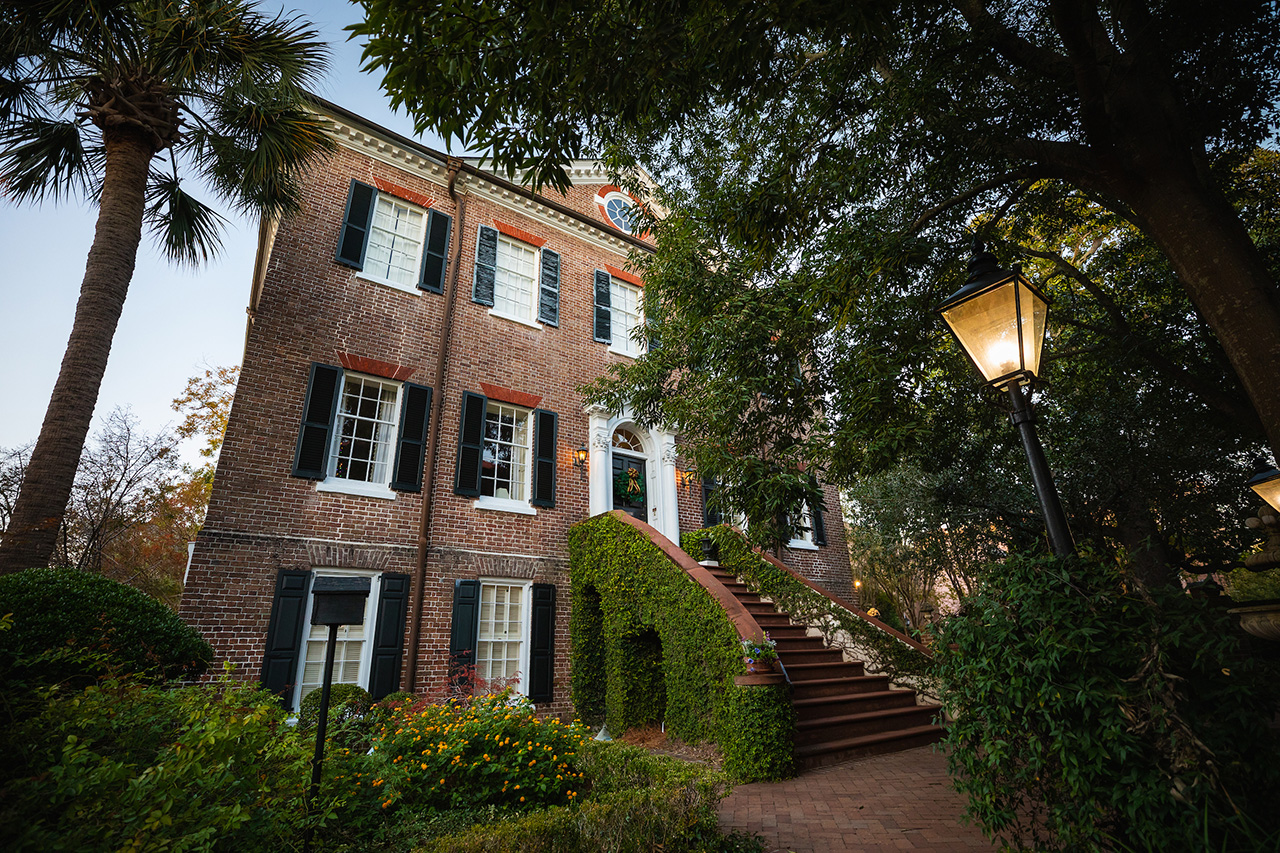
x,y
177,321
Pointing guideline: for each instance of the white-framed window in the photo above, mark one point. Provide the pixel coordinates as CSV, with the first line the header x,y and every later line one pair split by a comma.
x,y
396,234
802,540
353,652
363,446
515,282
506,451
502,647
626,312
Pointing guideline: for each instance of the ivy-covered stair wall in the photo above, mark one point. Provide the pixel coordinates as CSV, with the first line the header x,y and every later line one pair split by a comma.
x,y
657,638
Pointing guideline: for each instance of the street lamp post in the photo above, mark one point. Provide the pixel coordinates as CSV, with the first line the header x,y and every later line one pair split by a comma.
x,y
998,318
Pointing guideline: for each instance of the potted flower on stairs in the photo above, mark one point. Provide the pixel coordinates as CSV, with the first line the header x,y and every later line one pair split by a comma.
x,y
760,656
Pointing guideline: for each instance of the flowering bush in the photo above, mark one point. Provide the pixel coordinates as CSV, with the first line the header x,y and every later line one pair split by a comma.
x,y
764,651
486,751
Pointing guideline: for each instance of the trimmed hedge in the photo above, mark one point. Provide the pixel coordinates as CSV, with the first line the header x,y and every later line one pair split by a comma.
x,y
882,652
626,593
70,625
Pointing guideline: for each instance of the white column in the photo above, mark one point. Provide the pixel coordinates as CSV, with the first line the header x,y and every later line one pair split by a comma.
x,y
668,522
598,461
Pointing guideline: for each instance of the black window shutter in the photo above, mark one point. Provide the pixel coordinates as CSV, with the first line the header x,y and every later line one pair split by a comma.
x,y
486,265
542,643
415,413
654,343
388,634
470,445
311,457
284,633
819,526
355,225
710,517
435,256
603,319
549,289
465,626
544,458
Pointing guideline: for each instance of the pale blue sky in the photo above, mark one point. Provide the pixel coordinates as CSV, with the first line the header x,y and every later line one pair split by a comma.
x,y
175,320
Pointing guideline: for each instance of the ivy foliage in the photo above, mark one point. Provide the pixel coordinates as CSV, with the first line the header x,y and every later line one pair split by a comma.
x,y
880,651
650,645
1092,713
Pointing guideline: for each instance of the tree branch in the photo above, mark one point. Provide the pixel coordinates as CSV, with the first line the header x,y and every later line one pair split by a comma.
x,y
1014,47
1021,174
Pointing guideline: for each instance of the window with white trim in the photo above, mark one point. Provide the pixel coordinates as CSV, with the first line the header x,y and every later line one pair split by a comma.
x,y
515,282
508,442
501,650
365,430
626,303
396,234
802,540
352,651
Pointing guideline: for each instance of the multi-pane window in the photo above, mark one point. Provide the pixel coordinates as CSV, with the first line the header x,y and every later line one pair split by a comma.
x,y
500,638
395,242
515,284
626,312
348,655
350,660
504,471
365,439
803,538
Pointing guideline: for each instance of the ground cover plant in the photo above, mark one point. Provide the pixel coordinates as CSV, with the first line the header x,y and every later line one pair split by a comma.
x,y
1092,713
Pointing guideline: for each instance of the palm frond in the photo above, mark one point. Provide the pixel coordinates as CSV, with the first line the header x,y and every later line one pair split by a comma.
x,y
188,230
44,157
255,151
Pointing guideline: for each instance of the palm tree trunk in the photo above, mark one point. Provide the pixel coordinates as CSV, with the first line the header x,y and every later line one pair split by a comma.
x,y
37,514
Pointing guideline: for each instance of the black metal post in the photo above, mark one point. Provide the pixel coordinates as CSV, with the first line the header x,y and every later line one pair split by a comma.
x,y
1054,518
322,726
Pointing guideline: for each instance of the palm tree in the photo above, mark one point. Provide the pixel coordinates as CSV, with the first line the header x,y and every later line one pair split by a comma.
x,y
110,100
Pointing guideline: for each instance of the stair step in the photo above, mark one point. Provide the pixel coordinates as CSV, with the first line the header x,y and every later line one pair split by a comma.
x,y
830,669
829,729
797,644
775,620
818,654
791,633
814,688
821,707
833,752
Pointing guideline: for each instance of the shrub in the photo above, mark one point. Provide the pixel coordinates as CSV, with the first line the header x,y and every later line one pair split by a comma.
x,y
635,803
1092,713
346,702
124,766
70,625
486,751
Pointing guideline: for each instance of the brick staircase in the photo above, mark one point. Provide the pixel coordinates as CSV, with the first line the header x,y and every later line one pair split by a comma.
x,y
841,712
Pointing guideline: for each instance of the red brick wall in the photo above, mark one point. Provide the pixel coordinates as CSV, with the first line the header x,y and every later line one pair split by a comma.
x,y
262,519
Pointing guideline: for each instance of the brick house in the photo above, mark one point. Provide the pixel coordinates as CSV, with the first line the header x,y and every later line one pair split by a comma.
x,y
407,412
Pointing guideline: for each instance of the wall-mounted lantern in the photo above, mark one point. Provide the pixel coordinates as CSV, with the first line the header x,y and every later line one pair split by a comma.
x,y
580,461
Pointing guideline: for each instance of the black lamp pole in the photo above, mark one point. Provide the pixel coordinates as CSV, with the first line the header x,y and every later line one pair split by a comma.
x,y
998,318
1055,520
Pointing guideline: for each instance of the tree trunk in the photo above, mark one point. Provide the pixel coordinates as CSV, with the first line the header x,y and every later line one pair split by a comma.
x,y
1227,281
38,512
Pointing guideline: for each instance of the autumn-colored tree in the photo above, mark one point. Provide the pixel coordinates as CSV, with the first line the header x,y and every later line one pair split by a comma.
x,y
206,405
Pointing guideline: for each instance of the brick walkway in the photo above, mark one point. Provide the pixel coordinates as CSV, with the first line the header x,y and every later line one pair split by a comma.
x,y
900,801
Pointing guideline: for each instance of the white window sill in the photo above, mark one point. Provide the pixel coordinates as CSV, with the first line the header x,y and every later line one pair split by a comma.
x,y
337,485
801,545
628,353
504,505
403,288
493,312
